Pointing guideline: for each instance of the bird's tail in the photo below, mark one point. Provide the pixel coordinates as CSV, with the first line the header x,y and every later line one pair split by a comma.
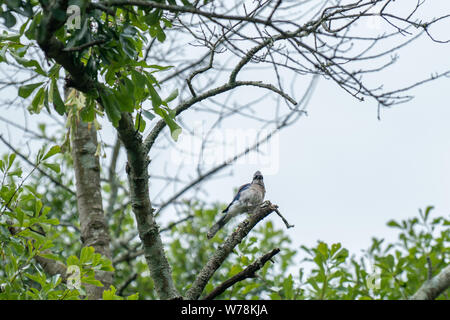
x,y
218,225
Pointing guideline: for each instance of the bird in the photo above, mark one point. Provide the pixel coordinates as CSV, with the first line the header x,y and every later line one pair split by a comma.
x,y
247,197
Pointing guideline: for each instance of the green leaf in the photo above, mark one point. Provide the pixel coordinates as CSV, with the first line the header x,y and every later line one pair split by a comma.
x,y
53,166
49,256
53,150
186,3
390,261
288,287
88,113
11,159
9,37
27,10
167,23
334,248
13,4
153,17
58,103
249,288
123,99
38,101
87,253
128,47
10,20
20,216
73,260
110,294
160,35
52,221
106,265
133,296
158,67
111,107
30,32
175,129
139,83
37,207
46,105
94,282
323,249
3,53
172,96
156,99
139,122
37,278
394,224
427,212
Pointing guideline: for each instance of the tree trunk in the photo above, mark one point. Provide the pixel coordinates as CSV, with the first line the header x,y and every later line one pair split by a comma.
x,y
94,228
148,229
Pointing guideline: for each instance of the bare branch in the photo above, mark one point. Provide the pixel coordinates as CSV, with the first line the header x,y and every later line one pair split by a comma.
x,y
248,272
226,248
148,229
151,138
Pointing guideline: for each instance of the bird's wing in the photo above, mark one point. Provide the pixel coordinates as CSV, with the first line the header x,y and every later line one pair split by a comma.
x,y
237,196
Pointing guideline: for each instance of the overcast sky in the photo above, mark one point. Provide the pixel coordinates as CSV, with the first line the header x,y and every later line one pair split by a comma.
x,y
341,173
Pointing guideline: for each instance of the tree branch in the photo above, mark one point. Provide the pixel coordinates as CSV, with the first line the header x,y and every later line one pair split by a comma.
x,y
137,159
248,272
284,219
140,199
226,248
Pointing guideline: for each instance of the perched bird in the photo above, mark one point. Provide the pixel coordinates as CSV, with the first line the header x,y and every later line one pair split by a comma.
x,y
248,196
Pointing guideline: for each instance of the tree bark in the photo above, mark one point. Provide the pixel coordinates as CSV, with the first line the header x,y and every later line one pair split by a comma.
x,y
94,228
432,288
137,172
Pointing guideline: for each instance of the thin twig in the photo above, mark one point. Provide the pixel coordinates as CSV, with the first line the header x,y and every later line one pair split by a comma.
x,y
85,45
431,289
284,220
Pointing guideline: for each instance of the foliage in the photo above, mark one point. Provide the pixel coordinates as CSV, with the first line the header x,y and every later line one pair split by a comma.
x,y
28,231
188,255
127,81
41,221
